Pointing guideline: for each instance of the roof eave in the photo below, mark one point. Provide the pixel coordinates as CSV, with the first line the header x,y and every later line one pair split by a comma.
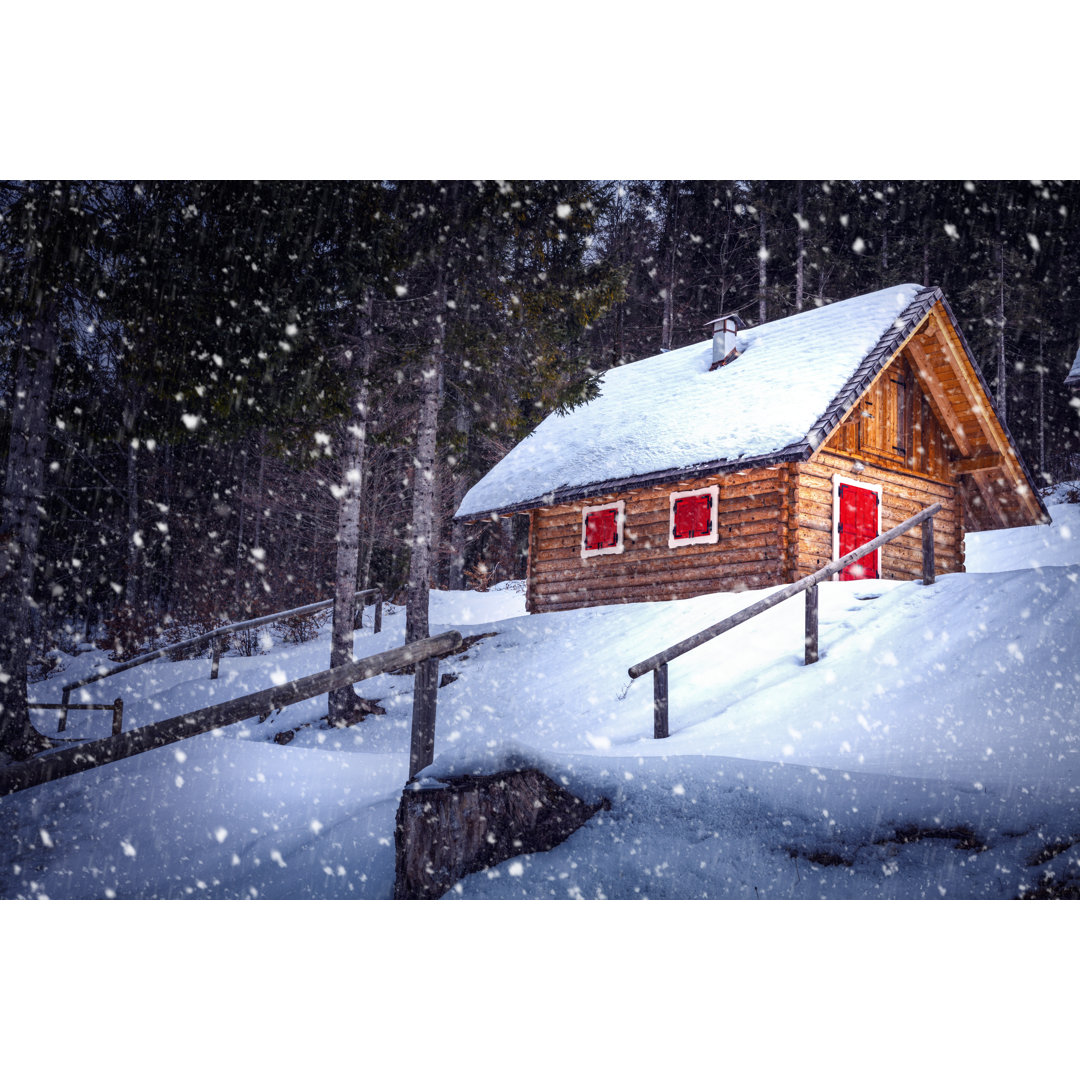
x,y
798,451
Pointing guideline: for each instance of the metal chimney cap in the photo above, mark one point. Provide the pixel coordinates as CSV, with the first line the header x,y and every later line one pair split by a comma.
x,y
734,317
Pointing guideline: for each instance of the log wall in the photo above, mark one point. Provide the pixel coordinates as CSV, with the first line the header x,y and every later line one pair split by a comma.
x,y
750,553
903,494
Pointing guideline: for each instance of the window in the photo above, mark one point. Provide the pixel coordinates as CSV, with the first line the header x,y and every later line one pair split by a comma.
x,y
602,529
693,517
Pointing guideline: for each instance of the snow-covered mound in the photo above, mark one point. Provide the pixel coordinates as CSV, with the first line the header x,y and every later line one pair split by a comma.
x,y
933,751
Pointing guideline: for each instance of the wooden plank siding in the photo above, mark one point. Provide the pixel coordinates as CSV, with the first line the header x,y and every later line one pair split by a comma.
x,y
751,551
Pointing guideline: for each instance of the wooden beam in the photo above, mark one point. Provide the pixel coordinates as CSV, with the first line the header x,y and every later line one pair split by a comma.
x,y
983,463
938,398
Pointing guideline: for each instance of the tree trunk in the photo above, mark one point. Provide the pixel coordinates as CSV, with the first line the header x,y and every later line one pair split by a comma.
x,y
345,706
763,255
20,529
669,292
801,251
423,488
1042,415
1002,403
457,536
259,498
238,581
131,575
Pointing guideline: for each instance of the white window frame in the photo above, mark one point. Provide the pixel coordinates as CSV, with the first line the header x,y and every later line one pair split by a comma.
x,y
714,531
837,480
620,520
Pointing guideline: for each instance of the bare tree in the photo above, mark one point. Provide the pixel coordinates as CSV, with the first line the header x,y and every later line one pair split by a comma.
x,y
344,705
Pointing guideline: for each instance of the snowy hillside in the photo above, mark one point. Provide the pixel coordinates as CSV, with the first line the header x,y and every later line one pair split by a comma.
x,y
933,752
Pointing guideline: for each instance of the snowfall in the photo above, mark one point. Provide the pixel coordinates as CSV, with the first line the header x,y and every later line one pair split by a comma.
x,y
933,752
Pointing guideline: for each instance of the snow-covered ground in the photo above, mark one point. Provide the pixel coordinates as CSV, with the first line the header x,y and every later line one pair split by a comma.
x,y
934,751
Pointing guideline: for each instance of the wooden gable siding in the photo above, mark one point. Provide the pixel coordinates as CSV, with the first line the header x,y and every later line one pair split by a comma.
x,y
751,551
895,425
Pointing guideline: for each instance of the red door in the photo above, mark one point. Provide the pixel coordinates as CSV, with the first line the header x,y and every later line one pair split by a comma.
x,y
858,525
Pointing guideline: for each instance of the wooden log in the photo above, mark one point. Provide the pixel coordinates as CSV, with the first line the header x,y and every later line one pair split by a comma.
x,y
928,552
77,759
572,601
425,695
811,625
606,584
660,702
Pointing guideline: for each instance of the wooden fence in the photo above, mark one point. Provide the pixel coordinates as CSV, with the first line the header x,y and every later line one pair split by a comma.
x,y
215,638
658,664
425,654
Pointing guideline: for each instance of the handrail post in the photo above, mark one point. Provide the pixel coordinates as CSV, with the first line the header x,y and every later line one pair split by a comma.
x,y
66,699
215,652
928,552
425,695
118,716
660,702
811,655
378,612
358,614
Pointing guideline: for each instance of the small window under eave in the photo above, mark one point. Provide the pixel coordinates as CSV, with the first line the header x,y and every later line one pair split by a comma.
x,y
693,518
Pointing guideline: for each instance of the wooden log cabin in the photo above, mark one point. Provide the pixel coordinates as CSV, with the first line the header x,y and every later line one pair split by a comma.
x,y
755,458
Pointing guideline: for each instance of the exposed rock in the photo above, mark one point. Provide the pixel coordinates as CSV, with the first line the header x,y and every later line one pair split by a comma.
x,y
474,822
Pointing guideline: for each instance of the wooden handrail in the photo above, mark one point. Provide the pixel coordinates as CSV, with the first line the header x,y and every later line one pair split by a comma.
x,y
210,636
77,759
658,663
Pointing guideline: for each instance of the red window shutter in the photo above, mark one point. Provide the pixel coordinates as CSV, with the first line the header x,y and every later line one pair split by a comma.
x,y
693,517
601,530
858,526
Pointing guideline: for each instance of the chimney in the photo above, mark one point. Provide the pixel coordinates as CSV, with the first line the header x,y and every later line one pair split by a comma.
x,y
724,345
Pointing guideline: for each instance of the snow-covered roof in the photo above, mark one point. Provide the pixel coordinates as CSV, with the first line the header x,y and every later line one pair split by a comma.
x,y
790,385
1073,378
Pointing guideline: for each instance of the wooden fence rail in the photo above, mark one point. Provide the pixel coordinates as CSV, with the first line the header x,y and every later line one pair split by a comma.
x,y
658,663
116,708
216,638
52,766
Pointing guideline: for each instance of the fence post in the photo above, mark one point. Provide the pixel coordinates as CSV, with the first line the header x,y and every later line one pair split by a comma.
x,y
215,651
928,552
378,613
660,702
358,615
64,713
811,655
118,716
425,693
